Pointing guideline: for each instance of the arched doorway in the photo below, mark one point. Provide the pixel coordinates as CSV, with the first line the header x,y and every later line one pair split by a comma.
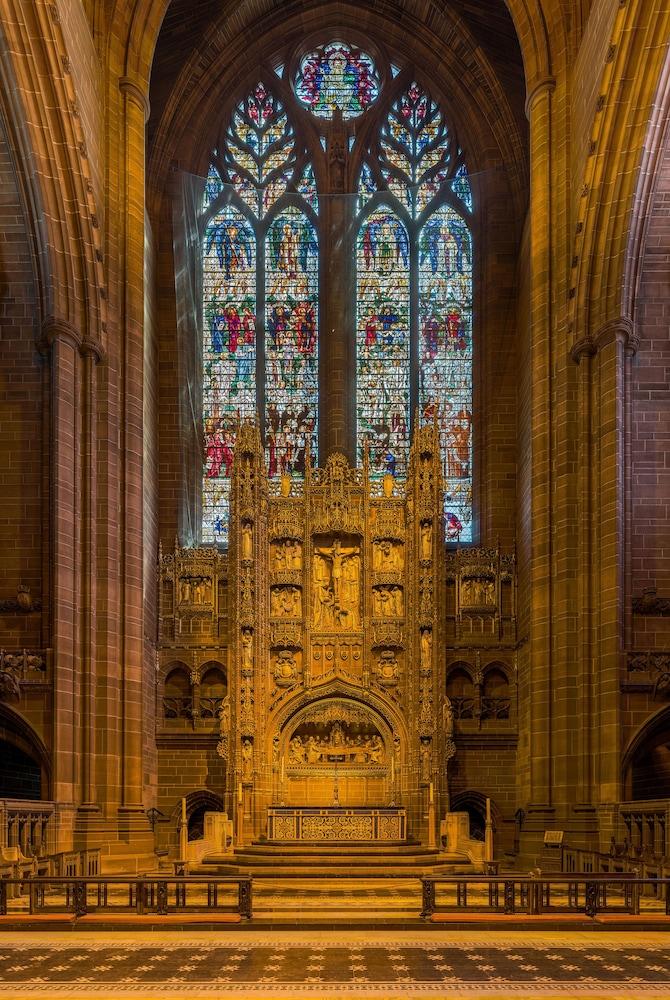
x,y
25,772
646,763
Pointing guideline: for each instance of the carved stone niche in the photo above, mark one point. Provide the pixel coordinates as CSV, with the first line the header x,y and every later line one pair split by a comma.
x,y
286,556
478,594
285,601
196,592
388,557
388,601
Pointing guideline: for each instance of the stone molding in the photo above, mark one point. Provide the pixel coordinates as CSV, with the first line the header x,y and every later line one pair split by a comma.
x,y
620,330
548,83
129,88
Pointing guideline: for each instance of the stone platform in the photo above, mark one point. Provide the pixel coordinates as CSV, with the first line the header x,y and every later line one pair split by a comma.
x,y
265,859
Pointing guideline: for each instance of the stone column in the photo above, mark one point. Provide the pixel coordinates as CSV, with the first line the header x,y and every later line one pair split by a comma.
x,y
539,110
134,112
91,354
614,341
337,364
63,342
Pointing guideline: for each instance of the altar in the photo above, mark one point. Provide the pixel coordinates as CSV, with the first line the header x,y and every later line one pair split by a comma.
x,y
336,823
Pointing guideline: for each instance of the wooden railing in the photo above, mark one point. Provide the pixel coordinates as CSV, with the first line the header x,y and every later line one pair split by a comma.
x,y
537,894
129,894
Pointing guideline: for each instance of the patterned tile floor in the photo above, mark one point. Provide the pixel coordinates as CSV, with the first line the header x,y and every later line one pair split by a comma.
x,y
334,964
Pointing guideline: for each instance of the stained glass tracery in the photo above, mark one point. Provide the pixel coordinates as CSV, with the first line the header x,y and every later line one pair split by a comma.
x,y
383,342
430,271
337,77
257,256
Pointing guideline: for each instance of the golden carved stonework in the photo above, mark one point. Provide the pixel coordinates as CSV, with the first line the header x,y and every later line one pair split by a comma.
x,y
333,600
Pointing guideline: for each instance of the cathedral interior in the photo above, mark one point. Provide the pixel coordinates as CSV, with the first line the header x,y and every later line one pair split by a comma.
x,y
334,354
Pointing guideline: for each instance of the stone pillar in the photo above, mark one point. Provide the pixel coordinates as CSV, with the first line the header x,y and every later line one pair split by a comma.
x,y
539,110
63,342
91,354
337,359
582,354
134,112
614,341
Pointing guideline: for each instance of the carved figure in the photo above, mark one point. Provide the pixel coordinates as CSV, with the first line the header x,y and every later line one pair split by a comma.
x,y
224,716
247,656
426,540
285,484
336,555
425,761
247,759
185,591
296,751
387,556
24,597
247,546
447,717
388,483
426,645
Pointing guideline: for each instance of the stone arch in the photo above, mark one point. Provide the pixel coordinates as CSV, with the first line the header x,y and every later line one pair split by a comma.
x,y
175,692
389,716
474,804
59,184
627,135
645,764
197,804
18,733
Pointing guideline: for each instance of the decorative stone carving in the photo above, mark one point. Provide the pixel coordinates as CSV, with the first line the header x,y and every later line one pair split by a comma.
x,y
387,668
285,668
23,602
286,602
388,602
388,556
336,577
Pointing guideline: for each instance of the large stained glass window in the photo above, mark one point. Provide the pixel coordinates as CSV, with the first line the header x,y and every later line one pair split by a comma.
x,y
414,267
260,279
377,142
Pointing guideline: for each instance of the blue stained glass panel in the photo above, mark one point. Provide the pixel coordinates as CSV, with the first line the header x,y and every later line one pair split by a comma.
x,y
445,356
291,347
229,358
383,343
337,77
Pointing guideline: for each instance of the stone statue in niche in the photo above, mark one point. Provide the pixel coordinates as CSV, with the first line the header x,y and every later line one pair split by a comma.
x,y
285,602
425,761
477,592
247,760
286,668
387,668
287,555
447,717
387,556
247,546
285,484
388,483
426,540
185,590
247,654
388,602
426,649
224,716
